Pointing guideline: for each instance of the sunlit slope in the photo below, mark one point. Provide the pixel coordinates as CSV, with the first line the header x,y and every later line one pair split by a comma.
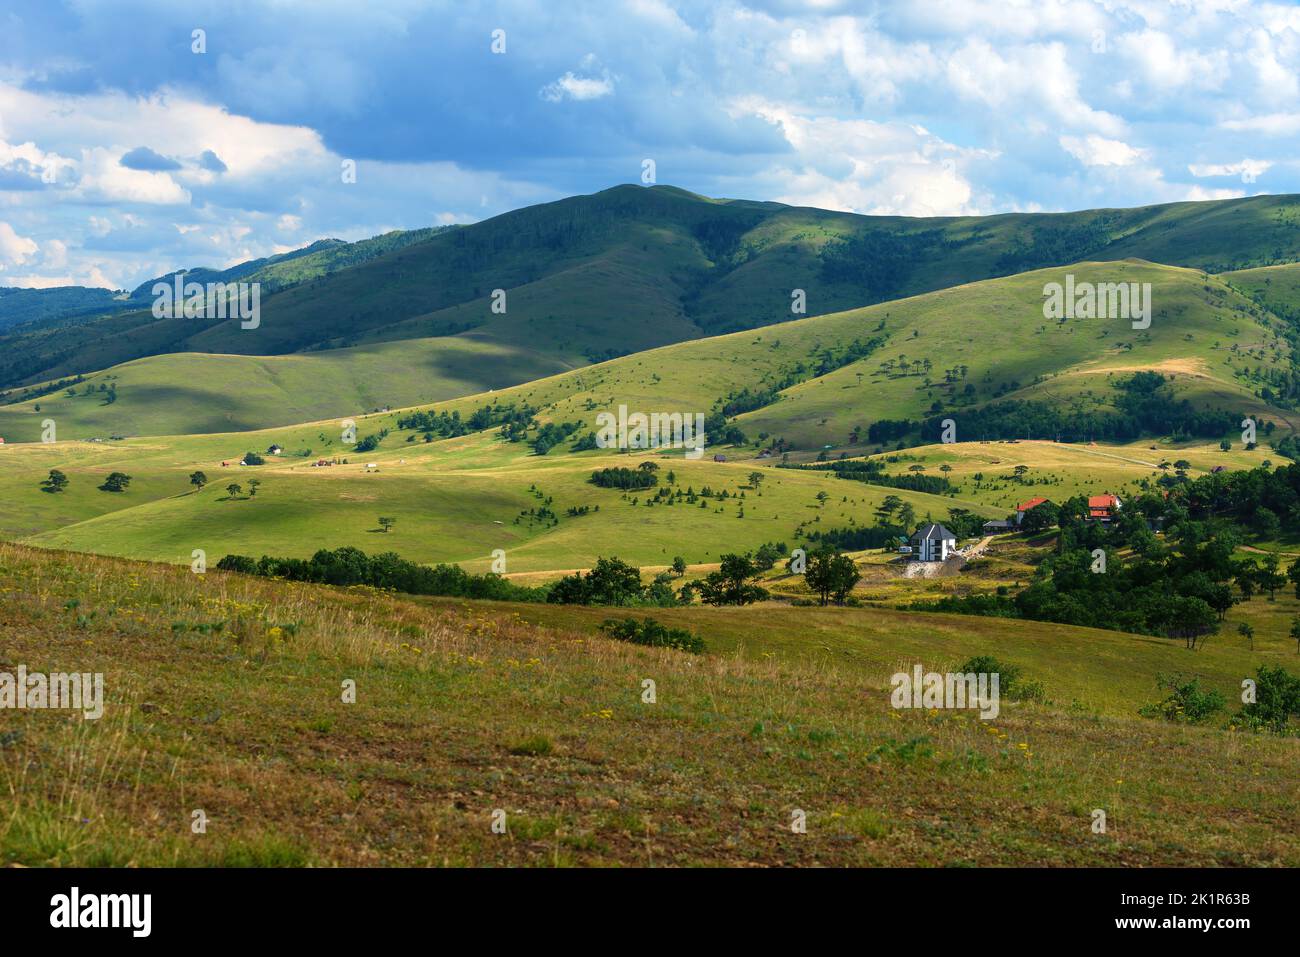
x,y
458,501
195,393
632,267
1203,335
1207,337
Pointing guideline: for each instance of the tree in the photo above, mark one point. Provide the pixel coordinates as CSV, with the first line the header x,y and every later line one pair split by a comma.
x,y
233,489
252,458
1268,577
1041,517
679,566
198,479
386,523
907,515
116,482
1247,632
1295,633
831,575
1293,573
252,486
57,481
756,479
729,585
886,509
1245,579
821,499
611,582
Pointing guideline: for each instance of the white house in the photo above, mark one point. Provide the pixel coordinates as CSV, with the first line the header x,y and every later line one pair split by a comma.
x,y
934,543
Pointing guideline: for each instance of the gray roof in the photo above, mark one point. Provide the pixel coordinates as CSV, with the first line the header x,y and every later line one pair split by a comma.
x,y
933,533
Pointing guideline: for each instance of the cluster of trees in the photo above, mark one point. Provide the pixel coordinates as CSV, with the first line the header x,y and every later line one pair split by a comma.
x,y
1181,585
612,582
1145,402
643,476
552,434
513,419
872,471
352,566
879,261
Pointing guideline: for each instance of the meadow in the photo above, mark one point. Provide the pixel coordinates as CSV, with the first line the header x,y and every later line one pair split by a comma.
x,y
225,696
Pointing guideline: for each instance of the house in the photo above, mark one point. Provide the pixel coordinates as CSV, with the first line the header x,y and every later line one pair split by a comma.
x,y
1024,507
275,450
935,543
719,458
1000,525
1103,508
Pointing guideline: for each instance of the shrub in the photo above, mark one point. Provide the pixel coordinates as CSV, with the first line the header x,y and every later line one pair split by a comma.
x,y
647,631
1277,700
1186,702
1011,684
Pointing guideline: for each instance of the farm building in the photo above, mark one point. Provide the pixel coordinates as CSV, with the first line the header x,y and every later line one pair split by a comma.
x,y
1024,507
934,543
1103,508
1000,525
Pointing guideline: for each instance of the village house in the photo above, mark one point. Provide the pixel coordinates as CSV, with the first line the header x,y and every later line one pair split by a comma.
x,y
1103,508
999,526
934,543
1024,507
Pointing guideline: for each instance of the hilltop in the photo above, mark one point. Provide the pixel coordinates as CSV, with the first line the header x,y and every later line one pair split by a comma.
x,y
630,268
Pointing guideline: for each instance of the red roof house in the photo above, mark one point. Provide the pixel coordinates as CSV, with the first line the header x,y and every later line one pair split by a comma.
x,y
1024,507
1102,508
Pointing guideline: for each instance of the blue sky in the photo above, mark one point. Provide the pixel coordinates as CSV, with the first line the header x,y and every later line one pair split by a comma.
x,y
124,153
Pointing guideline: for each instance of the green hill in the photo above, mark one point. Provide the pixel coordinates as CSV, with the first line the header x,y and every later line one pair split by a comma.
x,y
630,268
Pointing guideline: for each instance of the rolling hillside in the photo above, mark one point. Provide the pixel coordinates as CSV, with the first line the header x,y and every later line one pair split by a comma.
x,y
921,357
222,693
630,268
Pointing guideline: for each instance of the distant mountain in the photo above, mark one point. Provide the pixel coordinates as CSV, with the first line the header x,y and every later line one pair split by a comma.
x,y
631,268
18,306
31,315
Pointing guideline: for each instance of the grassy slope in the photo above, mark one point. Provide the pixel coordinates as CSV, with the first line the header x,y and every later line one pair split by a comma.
x,y
711,266
232,393
453,501
465,709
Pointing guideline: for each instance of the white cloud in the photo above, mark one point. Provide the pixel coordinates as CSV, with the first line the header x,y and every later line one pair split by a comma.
x,y
1247,169
574,87
1094,150
864,166
1270,124
14,249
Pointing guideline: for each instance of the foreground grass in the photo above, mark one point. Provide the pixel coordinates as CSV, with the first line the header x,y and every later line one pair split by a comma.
x,y
462,710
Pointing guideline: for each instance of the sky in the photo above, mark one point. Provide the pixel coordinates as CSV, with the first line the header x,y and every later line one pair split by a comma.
x,y
141,136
